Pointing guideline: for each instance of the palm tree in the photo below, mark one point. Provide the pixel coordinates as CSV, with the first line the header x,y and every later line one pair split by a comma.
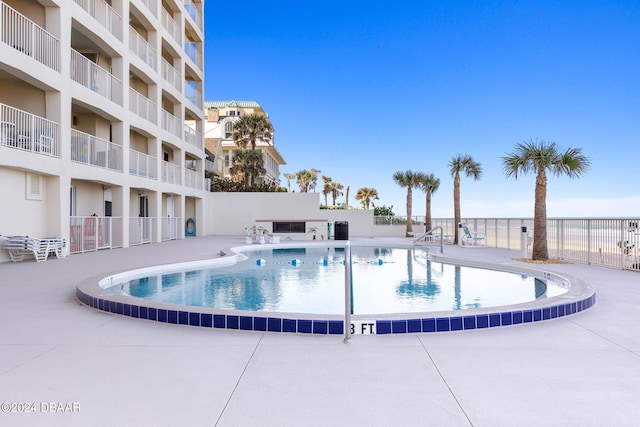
x,y
289,177
410,180
334,189
366,195
471,168
304,178
538,157
346,197
252,128
247,166
314,179
327,188
429,184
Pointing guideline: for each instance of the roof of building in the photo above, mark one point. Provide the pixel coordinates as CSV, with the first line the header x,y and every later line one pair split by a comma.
x,y
223,104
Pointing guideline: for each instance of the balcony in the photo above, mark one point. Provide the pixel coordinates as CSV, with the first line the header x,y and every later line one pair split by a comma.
x,y
92,76
142,49
171,173
28,132
143,165
192,136
194,13
193,94
209,166
142,106
191,49
94,151
24,35
170,74
102,12
171,124
171,26
193,179
151,5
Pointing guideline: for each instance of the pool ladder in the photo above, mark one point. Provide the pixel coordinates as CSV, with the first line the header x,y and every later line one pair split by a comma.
x,y
428,238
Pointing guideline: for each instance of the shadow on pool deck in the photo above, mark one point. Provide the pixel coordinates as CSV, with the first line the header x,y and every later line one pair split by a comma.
x,y
579,370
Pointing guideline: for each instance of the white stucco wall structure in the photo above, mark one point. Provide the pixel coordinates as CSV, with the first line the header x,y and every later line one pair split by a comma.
x,y
228,213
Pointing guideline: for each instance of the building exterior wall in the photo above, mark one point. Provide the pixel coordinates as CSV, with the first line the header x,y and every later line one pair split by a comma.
x,y
93,101
229,213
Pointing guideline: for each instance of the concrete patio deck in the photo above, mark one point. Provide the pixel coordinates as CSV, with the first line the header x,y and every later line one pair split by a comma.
x,y
108,370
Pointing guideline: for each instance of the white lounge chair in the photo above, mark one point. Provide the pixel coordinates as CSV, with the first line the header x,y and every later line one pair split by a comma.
x,y
19,246
471,239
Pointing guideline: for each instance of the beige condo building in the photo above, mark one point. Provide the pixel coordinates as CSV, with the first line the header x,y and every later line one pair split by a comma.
x,y
220,117
101,120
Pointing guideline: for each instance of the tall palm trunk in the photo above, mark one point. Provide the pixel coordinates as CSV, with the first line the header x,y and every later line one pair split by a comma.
x,y
409,213
540,251
456,207
427,220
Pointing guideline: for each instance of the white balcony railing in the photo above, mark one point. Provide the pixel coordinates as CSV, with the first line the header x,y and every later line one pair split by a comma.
x,y
171,228
90,233
151,5
142,106
193,13
141,164
19,32
142,49
193,179
102,12
171,124
193,53
193,94
26,131
171,26
209,166
141,230
171,173
192,136
95,151
92,76
170,74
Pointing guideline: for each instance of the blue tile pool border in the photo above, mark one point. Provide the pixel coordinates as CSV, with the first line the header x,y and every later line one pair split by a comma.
x,y
273,322
92,294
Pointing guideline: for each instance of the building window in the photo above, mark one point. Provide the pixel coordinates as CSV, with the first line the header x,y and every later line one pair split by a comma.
x,y
232,113
289,227
34,187
228,129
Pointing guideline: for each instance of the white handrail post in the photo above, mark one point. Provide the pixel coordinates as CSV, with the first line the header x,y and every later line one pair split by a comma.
x,y
347,292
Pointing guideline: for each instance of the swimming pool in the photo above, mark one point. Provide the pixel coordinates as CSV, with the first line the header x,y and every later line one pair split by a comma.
x,y
474,313
311,280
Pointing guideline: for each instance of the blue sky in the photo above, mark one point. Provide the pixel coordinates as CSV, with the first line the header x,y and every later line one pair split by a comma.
x,y
362,89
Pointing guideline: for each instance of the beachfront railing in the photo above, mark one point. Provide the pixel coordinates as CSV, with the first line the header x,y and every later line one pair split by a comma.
x,y
172,27
193,179
610,242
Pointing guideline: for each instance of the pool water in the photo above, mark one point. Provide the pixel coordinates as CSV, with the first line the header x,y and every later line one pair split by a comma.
x,y
311,280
